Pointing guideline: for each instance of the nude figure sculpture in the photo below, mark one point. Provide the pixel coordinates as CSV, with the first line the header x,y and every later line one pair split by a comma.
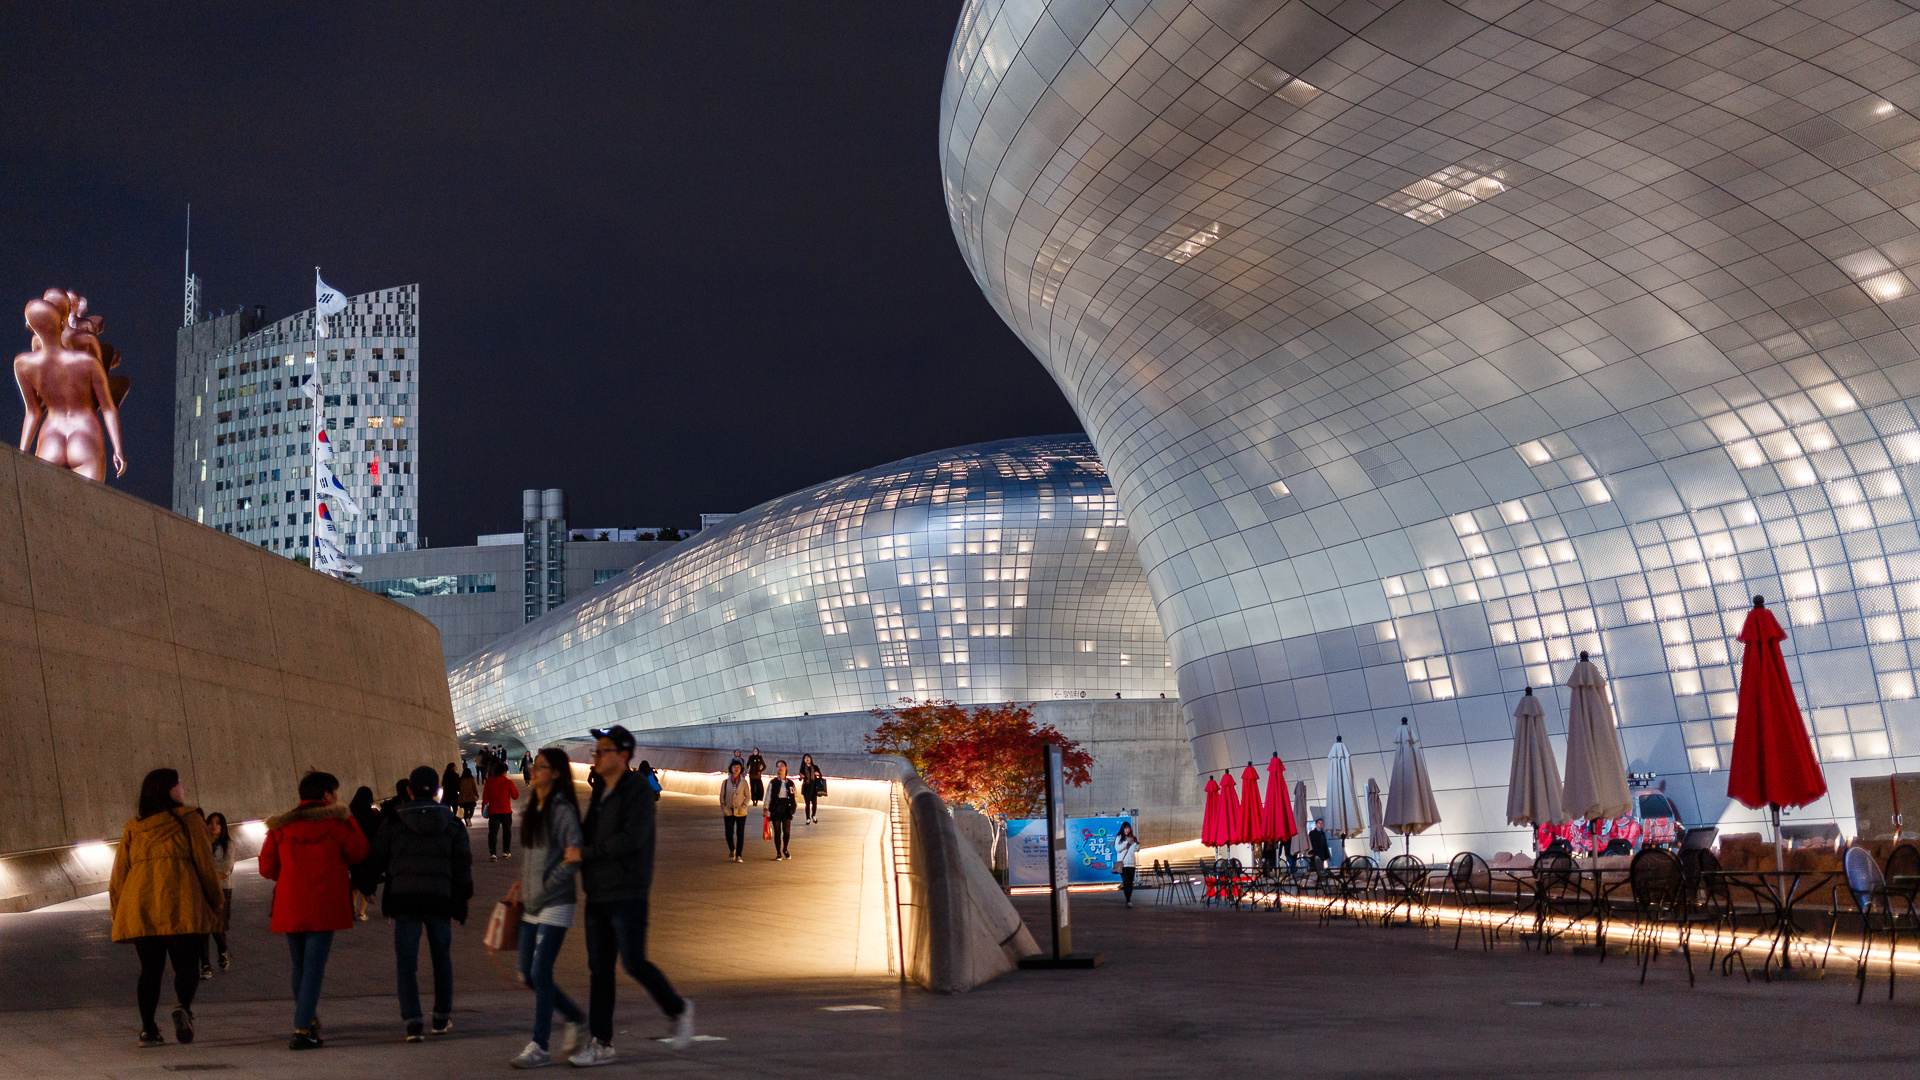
x,y
63,382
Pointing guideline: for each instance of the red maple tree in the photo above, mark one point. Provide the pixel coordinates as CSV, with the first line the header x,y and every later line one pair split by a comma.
x,y
987,756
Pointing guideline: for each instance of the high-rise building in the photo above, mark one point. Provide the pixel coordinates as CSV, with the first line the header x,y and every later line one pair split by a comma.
x,y
243,428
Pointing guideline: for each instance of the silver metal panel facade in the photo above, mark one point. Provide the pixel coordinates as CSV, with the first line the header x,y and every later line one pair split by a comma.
x,y
1429,344
980,574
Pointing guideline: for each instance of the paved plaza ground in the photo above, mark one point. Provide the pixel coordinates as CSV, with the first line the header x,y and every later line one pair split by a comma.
x,y
765,948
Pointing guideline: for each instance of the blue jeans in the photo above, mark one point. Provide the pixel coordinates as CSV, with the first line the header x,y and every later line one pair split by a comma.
x,y
539,947
310,949
617,932
406,957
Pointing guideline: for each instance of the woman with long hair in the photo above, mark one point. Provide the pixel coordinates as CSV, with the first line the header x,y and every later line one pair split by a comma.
x,y
469,795
1126,854
781,796
364,876
450,788
550,843
165,898
220,838
812,785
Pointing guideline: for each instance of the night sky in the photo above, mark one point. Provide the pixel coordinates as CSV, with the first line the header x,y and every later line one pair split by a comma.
x,y
673,257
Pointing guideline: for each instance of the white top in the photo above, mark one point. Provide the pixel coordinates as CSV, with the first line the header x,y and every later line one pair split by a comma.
x,y
1125,850
551,915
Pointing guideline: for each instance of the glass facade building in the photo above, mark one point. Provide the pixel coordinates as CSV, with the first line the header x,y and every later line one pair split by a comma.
x,y
1429,345
988,573
243,430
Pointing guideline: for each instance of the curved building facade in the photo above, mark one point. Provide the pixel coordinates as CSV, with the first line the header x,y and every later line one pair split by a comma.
x,y
1429,344
987,573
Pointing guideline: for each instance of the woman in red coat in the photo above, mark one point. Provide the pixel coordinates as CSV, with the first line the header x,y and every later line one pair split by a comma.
x,y
306,855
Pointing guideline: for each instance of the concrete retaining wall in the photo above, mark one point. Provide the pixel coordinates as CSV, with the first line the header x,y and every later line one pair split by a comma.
x,y
958,927
132,638
1142,759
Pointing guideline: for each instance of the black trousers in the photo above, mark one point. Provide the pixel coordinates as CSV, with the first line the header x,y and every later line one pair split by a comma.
x,y
183,951
813,804
1126,883
736,834
500,825
782,834
617,931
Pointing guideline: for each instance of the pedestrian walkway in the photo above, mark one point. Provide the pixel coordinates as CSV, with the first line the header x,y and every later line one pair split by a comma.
x,y
1184,992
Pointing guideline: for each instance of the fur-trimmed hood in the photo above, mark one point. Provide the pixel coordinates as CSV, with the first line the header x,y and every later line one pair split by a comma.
x,y
308,811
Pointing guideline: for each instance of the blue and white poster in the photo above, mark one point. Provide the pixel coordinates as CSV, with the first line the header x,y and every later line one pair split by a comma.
x,y
1089,851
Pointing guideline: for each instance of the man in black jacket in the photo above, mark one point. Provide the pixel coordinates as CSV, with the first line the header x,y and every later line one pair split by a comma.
x,y
428,866
617,872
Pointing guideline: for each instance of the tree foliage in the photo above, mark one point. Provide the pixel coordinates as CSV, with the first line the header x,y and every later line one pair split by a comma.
x,y
988,756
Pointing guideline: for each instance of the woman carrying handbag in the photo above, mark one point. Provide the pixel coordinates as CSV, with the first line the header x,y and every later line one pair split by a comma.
x,y
812,786
550,844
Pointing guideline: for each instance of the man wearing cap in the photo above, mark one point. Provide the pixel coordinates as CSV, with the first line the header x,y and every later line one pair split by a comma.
x,y
617,873
428,866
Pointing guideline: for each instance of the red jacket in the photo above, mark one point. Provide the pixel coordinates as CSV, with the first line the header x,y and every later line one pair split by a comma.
x,y
500,795
307,853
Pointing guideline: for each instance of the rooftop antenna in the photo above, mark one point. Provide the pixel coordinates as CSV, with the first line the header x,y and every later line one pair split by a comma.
x,y
192,313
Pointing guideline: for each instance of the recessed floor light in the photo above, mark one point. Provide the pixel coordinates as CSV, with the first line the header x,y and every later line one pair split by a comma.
x,y
852,1008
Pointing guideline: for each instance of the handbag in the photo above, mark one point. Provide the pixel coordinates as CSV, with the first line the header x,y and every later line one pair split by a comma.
x,y
819,785
503,926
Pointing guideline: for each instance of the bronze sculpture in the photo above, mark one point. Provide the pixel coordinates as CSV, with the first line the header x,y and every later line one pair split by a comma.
x,y
63,381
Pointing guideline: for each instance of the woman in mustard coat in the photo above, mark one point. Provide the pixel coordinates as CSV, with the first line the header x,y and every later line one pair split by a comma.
x,y
165,898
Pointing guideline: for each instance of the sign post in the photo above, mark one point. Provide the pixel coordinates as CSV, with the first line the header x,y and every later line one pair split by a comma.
x,y
1058,875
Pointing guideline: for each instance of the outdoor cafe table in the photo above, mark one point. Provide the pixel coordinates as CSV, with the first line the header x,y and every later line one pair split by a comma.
x,y
1525,881
1776,905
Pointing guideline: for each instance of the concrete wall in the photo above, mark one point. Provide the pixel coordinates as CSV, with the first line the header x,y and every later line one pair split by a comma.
x,y
1142,759
132,638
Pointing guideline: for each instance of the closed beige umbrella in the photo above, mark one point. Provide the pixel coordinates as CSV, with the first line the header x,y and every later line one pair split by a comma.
x,y
1533,782
1377,837
1300,847
1410,805
1343,798
1596,769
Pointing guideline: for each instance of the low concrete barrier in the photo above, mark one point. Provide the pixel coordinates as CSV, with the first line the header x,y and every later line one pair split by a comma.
x,y
37,879
956,928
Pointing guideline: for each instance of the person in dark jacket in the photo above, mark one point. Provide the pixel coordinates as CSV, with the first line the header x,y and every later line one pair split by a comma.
x,y
782,799
617,869
428,866
365,880
1318,853
755,766
450,786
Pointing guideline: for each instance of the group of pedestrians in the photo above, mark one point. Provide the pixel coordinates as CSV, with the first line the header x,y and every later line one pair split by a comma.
x,y
779,796
171,892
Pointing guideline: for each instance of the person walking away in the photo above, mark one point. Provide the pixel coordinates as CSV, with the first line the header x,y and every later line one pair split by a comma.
x,y
734,799
812,785
1318,853
755,766
499,795
653,778
450,787
469,795
550,852
782,800
165,899
428,866
1126,855
617,871
364,877
307,855
391,807
220,840
526,768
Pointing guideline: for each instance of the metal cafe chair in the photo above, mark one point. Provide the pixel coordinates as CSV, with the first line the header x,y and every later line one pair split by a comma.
x,y
1713,903
1883,911
1346,886
1558,890
1660,896
1471,882
1406,888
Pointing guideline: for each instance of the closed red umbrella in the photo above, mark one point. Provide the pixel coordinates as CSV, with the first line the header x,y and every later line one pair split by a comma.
x,y
1253,820
1210,817
1229,810
1773,760
1279,812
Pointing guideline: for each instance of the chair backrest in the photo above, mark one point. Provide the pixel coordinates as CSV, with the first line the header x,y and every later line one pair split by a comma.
x,y
1863,876
1553,868
1618,846
1405,871
1460,870
1355,865
1903,868
1656,877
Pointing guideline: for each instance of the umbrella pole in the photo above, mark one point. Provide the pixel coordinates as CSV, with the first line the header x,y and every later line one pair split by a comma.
x,y
1779,860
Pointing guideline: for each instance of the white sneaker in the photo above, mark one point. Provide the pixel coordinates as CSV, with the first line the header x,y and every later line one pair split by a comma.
x,y
596,1053
531,1058
573,1039
683,1026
